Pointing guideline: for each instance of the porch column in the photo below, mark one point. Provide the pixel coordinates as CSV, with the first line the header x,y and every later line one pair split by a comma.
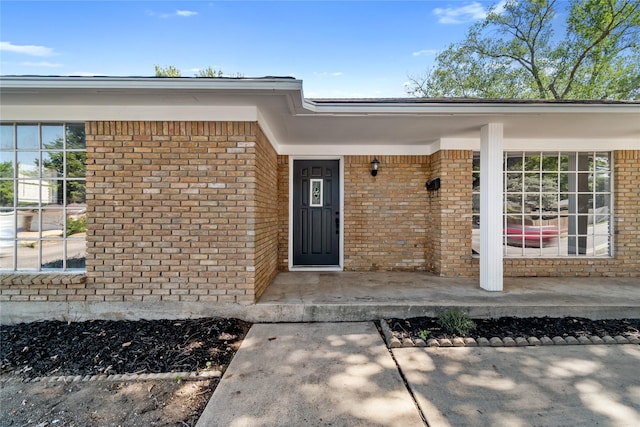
x,y
491,222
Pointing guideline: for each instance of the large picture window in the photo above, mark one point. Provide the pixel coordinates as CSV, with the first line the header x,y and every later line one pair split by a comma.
x,y
42,196
555,204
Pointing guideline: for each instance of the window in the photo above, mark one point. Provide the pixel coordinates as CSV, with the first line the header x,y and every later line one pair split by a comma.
x,y
42,196
555,204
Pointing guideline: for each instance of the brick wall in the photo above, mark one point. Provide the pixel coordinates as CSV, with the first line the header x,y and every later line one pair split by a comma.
x,y
448,245
385,217
267,211
170,210
283,213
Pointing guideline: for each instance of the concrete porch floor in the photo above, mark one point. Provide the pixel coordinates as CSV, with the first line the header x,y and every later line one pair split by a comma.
x,y
360,296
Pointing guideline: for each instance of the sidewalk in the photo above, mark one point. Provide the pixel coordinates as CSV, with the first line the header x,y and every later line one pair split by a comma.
x,y
342,374
312,374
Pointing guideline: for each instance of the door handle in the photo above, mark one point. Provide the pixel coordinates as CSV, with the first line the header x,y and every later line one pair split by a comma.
x,y
337,222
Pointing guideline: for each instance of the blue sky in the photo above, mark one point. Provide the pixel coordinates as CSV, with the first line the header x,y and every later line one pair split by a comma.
x,y
339,49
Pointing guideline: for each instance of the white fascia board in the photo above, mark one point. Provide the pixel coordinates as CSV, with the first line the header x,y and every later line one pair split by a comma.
x,y
357,150
545,144
70,113
472,109
130,83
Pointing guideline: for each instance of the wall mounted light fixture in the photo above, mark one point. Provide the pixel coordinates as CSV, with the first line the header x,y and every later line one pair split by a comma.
x,y
374,166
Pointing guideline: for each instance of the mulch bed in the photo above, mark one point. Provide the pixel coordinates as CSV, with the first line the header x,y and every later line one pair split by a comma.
x,y
118,347
519,327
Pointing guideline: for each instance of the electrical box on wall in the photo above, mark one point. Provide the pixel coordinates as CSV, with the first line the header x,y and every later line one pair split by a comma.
x,y
433,185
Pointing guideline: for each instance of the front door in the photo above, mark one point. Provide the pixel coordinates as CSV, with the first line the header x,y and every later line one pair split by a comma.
x,y
316,212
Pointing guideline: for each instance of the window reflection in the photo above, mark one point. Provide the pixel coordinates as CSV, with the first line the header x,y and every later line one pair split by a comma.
x,y
555,204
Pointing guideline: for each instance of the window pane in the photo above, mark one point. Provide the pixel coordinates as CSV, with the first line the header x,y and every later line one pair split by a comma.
x,y
27,222
76,191
514,162
6,193
514,182
28,192
550,182
76,164
532,162
476,182
52,253
7,224
514,203
51,191
76,137
602,162
603,183
550,163
53,222
52,164
564,162
6,253
52,137
76,253
28,254
6,164
27,137
6,137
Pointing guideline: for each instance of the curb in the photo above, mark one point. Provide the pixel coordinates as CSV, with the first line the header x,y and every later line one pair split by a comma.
x,y
393,342
174,376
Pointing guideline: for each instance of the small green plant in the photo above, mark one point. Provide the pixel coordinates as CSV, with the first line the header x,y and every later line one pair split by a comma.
x,y
456,322
209,364
424,334
178,378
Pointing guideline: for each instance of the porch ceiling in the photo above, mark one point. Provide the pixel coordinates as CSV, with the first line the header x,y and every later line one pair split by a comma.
x,y
293,122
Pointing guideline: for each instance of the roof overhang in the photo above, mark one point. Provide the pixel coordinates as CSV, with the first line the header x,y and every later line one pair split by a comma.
x,y
296,125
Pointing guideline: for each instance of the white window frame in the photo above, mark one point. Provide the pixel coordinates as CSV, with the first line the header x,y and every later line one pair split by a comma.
x,y
521,252
15,243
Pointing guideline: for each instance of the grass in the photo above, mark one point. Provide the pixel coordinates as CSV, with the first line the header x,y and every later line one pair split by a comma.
x,y
456,322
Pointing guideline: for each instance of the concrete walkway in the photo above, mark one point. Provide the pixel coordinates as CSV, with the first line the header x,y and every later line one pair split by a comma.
x,y
596,385
312,374
342,374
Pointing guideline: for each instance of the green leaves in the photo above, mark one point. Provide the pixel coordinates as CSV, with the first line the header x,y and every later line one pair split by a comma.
x,y
514,53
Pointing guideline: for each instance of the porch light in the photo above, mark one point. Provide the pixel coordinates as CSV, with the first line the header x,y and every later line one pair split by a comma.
x,y
374,166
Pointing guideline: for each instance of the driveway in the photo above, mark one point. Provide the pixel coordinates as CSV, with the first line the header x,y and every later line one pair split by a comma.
x,y
596,385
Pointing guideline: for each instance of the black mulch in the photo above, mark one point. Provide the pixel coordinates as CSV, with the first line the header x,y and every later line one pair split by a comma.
x,y
519,327
119,347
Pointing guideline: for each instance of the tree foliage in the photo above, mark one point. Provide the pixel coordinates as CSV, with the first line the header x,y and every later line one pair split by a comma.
x,y
514,53
209,72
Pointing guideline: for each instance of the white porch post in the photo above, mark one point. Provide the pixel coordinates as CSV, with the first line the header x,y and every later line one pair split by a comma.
x,y
491,183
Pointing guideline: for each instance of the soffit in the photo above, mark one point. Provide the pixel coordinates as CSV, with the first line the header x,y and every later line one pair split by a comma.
x,y
292,120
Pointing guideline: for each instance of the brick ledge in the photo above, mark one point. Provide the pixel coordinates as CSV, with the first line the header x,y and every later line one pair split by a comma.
x,y
42,279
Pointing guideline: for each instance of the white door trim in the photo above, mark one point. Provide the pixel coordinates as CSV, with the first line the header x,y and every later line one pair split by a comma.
x,y
290,240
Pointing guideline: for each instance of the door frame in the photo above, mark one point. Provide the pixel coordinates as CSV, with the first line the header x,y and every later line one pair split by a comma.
x,y
340,266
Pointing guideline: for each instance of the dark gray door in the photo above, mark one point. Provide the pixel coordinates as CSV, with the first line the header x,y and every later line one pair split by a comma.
x,y
316,212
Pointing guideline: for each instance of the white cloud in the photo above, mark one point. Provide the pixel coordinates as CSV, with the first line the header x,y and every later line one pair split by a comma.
x,y
41,64
460,15
186,13
179,13
26,49
425,52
